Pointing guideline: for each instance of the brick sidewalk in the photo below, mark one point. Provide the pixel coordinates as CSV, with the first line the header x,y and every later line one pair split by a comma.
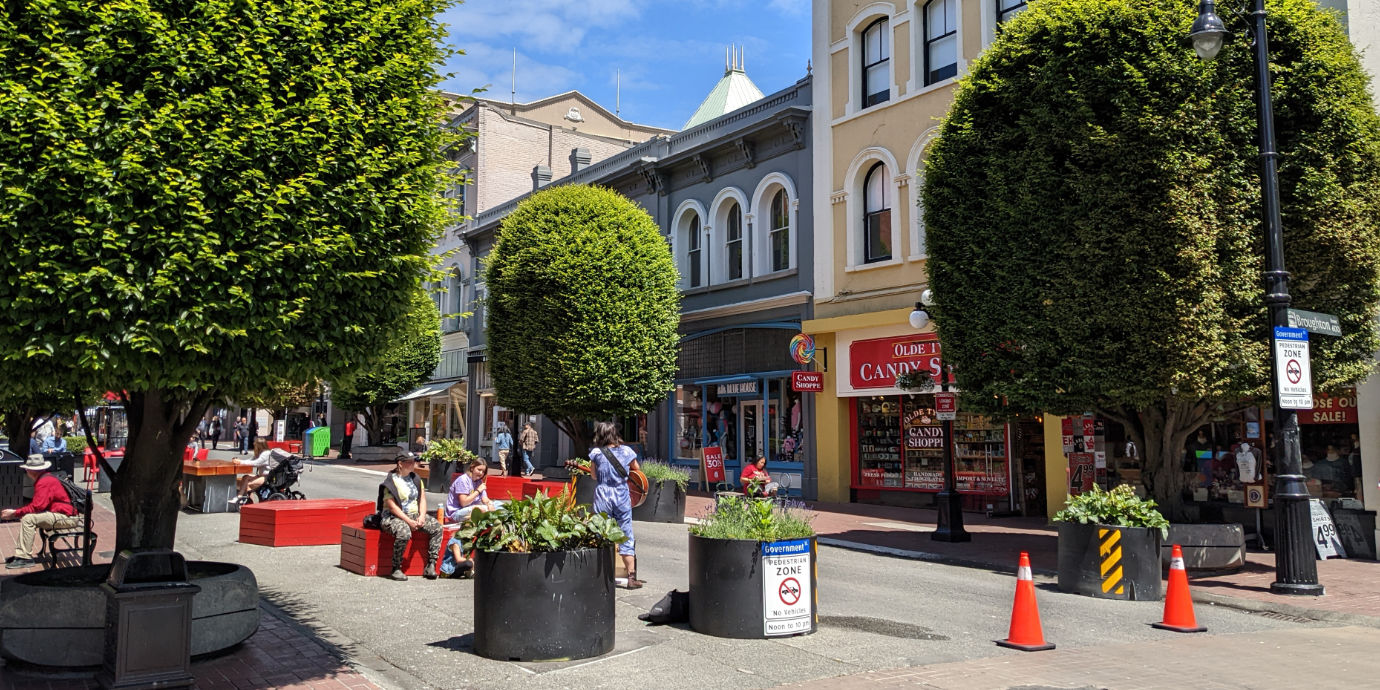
x,y
997,542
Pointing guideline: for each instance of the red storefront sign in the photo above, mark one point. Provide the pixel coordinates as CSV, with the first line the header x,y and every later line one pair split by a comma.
x,y
877,362
807,381
1331,410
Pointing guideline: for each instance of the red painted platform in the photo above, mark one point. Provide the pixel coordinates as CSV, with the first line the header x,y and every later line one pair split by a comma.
x,y
369,552
300,523
535,486
504,488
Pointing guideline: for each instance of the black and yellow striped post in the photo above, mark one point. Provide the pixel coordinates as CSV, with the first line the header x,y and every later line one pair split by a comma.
x,y
1109,549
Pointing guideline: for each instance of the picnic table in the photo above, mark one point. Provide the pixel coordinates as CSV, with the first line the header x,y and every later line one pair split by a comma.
x,y
209,484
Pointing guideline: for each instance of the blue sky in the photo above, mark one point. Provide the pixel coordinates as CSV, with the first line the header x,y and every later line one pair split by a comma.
x,y
670,52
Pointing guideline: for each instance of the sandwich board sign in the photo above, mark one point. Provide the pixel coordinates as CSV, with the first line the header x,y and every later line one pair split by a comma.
x,y
1293,376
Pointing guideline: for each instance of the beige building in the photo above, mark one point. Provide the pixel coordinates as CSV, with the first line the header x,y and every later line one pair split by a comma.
x,y
885,75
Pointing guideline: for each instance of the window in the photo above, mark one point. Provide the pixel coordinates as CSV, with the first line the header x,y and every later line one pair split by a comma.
x,y
876,216
1007,9
780,232
694,257
941,40
876,67
734,236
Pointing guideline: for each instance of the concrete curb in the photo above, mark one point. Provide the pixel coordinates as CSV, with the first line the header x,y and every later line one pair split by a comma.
x,y
940,558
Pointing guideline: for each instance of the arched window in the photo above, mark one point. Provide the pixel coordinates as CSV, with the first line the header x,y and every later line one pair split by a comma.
x,y
694,256
734,240
876,63
780,232
1007,9
941,40
876,216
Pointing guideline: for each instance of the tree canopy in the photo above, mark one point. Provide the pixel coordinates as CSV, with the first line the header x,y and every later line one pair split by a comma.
x,y
583,308
200,196
1092,209
413,351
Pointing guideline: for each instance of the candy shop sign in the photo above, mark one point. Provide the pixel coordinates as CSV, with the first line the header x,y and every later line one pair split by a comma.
x,y
877,362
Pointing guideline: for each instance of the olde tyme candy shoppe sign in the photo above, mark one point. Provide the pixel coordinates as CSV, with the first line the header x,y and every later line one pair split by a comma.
x,y
877,362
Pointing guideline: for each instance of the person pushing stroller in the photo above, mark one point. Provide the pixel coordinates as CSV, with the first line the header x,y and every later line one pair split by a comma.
x,y
263,461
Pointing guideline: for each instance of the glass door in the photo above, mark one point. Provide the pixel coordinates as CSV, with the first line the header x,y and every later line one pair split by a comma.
x,y
750,430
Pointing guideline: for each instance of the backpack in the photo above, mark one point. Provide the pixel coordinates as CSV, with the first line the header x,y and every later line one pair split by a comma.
x,y
76,495
673,608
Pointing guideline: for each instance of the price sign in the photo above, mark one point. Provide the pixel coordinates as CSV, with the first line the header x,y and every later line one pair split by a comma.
x,y
945,406
1325,537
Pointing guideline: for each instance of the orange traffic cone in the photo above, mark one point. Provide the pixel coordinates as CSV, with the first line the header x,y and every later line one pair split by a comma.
x,y
1178,603
1026,634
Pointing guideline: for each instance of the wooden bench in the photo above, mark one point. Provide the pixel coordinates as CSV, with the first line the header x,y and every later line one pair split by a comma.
x,y
369,552
300,523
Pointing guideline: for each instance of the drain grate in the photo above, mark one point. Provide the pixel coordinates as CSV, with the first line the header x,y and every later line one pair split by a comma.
x,y
1286,617
881,626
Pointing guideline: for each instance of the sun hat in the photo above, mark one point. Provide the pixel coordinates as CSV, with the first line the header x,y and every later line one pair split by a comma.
x,y
36,462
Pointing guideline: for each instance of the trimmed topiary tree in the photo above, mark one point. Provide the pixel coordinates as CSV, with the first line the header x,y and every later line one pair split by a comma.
x,y
583,309
201,196
1092,209
412,354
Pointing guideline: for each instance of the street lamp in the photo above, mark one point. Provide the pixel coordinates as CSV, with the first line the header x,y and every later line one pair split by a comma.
x,y
948,504
1296,572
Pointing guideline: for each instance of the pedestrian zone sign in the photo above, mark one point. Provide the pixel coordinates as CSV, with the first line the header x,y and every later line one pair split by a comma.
x,y
1293,376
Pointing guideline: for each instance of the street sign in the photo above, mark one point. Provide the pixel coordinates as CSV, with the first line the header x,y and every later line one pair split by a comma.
x,y
1293,376
1325,537
945,406
807,381
786,596
1315,322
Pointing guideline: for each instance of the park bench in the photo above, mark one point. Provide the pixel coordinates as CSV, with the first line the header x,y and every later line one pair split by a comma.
x,y
311,522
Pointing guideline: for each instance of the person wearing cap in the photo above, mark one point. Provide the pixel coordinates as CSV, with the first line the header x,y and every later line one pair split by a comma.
x,y
50,510
404,510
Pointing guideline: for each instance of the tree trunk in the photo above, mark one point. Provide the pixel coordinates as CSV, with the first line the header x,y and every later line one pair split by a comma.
x,y
1159,432
373,423
578,432
145,490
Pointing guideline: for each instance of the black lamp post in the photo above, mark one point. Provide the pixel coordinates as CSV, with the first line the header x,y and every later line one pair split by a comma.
x,y
949,523
1296,571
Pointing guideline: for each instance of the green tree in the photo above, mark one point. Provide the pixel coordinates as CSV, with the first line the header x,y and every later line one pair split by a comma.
x,y
278,396
1093,216
198,196
412,353
583,308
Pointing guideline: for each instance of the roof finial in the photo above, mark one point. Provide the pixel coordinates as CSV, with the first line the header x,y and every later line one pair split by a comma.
x,y
728,60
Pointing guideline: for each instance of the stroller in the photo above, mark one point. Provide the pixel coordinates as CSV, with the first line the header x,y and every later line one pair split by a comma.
x,y
278,484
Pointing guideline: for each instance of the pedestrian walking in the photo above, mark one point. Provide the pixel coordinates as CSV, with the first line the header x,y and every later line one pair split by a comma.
x,y
215,432
612,462
202,429
527,442
348,439
242,436
503,446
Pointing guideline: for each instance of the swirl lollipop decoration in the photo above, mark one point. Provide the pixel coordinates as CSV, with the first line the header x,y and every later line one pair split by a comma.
x,y
802,348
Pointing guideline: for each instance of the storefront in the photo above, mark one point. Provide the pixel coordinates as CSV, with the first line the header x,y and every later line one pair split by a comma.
x,y
745,413
433,411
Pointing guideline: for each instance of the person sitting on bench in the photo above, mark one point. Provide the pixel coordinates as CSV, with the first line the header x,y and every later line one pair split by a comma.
x,y
404,510
756,481
264,460
468,493
51,509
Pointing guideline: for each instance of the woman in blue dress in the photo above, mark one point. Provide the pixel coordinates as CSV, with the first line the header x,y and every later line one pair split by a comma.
x,y
611,493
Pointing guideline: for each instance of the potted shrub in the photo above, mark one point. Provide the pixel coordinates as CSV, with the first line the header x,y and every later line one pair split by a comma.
x,y
1109,545
543,580
444,457
582,482
666,486
752,570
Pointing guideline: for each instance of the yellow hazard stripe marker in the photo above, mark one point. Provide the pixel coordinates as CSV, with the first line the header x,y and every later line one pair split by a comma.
x,y
1110,550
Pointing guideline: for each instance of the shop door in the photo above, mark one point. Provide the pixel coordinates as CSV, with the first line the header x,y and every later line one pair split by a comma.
x,y
750,429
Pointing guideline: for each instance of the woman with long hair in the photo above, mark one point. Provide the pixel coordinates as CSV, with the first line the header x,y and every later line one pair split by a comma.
x,y
612,461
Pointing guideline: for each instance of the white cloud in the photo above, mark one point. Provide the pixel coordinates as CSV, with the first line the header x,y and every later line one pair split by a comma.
x,y
794,8
537,25
486,65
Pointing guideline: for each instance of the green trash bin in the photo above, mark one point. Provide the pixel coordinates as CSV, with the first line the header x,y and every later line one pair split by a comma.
x,y
318,441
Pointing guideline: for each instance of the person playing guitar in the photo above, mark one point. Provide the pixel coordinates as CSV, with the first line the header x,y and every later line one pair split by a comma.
x,y
614,466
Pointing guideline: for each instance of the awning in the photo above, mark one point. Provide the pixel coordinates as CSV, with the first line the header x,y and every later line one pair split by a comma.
x,y
427,391
741,378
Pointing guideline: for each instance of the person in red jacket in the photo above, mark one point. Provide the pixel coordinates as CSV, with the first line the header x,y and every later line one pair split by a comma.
x,y
51,509
347,439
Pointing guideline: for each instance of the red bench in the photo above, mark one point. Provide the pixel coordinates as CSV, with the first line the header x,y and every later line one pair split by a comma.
x,y
300,523
550,486
294,447
504,488
369,552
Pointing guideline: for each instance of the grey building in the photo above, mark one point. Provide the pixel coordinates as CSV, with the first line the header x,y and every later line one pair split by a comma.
x,y
727,196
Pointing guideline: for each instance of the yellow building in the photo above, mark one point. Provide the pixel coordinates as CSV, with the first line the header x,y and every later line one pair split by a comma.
x,y
885,75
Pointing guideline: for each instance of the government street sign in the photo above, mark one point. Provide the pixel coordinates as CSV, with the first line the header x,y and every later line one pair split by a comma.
x,y
1294,380
1315,322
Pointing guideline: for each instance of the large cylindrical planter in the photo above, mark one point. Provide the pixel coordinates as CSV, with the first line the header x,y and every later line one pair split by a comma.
x,y
753,590
584,489
1110,561
543,606
665,503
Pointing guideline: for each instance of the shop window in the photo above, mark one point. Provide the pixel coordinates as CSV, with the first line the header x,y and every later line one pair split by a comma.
x,y
689,417
901,446
721,424
786,422
941,40
876,63
876,216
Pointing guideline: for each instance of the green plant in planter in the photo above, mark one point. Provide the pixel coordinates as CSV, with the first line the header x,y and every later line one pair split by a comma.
x,y
538,524
579,466
447,449
1120,506
76,444
758,520
658,471
916,380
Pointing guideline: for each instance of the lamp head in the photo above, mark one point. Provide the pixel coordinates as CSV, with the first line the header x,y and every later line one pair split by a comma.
x,y
919,318
1208,32
927,297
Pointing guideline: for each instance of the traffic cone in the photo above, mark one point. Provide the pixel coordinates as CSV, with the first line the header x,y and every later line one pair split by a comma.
x,y
1026,634
1178,603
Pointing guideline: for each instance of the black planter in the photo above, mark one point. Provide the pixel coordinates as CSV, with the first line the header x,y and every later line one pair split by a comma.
x,y
442,472
665,503
543,606
726,589
1132,561
584,489
103,480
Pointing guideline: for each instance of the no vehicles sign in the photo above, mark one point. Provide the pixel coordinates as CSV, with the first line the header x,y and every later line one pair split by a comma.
x,y
786,597
1293,376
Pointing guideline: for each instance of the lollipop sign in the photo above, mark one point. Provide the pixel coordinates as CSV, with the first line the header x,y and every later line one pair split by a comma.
x,y
802,348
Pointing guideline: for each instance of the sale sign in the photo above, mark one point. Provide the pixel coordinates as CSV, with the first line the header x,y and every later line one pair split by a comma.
x,y
1331,410
713,464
